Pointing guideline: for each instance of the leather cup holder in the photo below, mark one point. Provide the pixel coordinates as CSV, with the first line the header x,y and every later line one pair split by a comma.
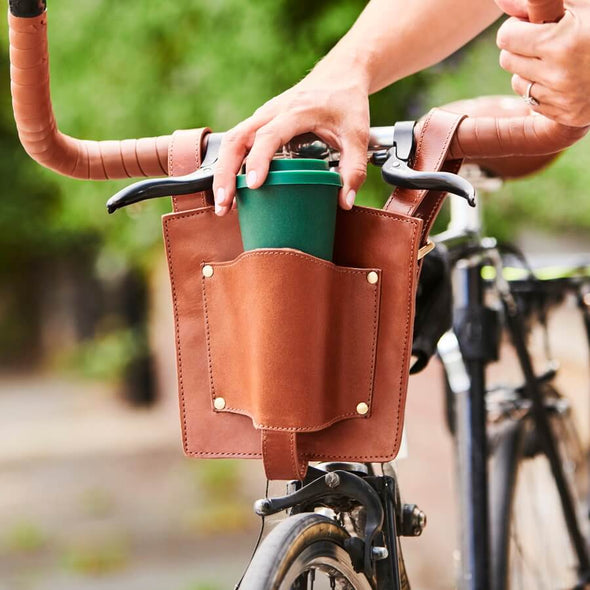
x,y
291,339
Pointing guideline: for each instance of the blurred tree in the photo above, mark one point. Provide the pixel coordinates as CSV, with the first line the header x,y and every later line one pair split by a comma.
x,y
128,69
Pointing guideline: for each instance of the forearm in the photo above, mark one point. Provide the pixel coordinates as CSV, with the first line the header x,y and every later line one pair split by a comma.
x,y
395,38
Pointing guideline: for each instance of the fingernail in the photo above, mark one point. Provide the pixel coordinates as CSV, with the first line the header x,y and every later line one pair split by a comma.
x,y
251,178
218,209
220,197
350,198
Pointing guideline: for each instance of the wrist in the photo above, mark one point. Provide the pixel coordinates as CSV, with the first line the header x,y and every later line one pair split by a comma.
x,y
346,66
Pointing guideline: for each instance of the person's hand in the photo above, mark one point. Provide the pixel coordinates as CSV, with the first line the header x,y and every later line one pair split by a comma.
x,y
330,102
555,57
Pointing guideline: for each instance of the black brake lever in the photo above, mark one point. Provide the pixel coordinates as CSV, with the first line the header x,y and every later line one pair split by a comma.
x,y
397,172
195,182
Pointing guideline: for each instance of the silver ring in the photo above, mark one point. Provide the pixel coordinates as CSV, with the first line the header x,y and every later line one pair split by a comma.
x,y
530,100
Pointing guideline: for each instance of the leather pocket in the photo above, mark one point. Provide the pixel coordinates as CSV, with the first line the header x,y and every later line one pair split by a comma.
x,y
291,339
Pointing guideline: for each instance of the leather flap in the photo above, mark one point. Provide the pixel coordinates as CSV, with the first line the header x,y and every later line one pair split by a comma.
x,y
291,339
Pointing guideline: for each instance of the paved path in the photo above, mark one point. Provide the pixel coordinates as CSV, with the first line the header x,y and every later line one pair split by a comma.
x,y
96,496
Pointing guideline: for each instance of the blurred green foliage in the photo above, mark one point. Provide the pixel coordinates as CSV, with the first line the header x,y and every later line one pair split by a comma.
x,y
95,557
128,69
221,506
24,536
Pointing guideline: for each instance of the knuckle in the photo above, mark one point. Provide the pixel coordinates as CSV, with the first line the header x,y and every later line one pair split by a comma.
x,y
577,116
232,137
265,133
358,173
559,79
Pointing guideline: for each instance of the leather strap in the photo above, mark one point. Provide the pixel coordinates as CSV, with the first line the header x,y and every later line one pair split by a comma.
x,y
280,455
185,156
436,132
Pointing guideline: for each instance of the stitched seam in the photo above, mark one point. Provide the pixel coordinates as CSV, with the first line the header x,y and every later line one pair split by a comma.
x,y
247,412
177,333
171,171
374,348
265,458
315,428
292,453
439,163
219,454
402,394
208,340
382,213
200,195
172,217
419,195
295,254
433,211
316,456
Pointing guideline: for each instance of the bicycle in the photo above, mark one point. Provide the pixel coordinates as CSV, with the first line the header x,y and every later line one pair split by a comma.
x,y
354,542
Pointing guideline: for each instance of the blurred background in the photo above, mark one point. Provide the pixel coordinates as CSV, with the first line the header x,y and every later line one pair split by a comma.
x,y
94,490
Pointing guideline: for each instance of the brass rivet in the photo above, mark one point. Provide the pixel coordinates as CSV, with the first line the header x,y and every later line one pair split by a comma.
x,y
362,408
207,271
219,403
372,277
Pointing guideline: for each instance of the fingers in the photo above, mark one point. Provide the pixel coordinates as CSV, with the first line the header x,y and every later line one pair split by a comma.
x,y
234,147
529,68
267,140
520,37
233,150
541,94
353,167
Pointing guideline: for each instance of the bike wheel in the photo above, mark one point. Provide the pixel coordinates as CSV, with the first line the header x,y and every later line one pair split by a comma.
x,y
531,546
304,552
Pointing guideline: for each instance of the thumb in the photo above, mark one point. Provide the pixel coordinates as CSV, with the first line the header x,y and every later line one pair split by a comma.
x,y
516,8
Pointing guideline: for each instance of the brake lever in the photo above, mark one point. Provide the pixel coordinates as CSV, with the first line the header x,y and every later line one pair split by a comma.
x,y
195,182
397,172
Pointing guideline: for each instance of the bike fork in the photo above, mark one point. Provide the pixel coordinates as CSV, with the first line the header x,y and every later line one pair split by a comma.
x,y
464,354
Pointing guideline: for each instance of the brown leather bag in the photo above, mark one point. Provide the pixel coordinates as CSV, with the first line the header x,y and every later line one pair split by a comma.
x,y
286,357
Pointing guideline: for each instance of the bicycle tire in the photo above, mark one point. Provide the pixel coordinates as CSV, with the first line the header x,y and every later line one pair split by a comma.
x,y
296,547
530,544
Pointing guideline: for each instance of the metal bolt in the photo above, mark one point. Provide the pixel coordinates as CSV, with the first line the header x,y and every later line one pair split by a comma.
x,y
262,507
413,521
372,277
379,553
219,403
207,271
418,521
332,480
362,408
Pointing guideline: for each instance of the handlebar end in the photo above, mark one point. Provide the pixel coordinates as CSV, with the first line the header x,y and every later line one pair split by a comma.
x,y
27,8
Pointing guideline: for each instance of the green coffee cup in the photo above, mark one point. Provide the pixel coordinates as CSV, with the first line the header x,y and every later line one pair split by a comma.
x,y
294,208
